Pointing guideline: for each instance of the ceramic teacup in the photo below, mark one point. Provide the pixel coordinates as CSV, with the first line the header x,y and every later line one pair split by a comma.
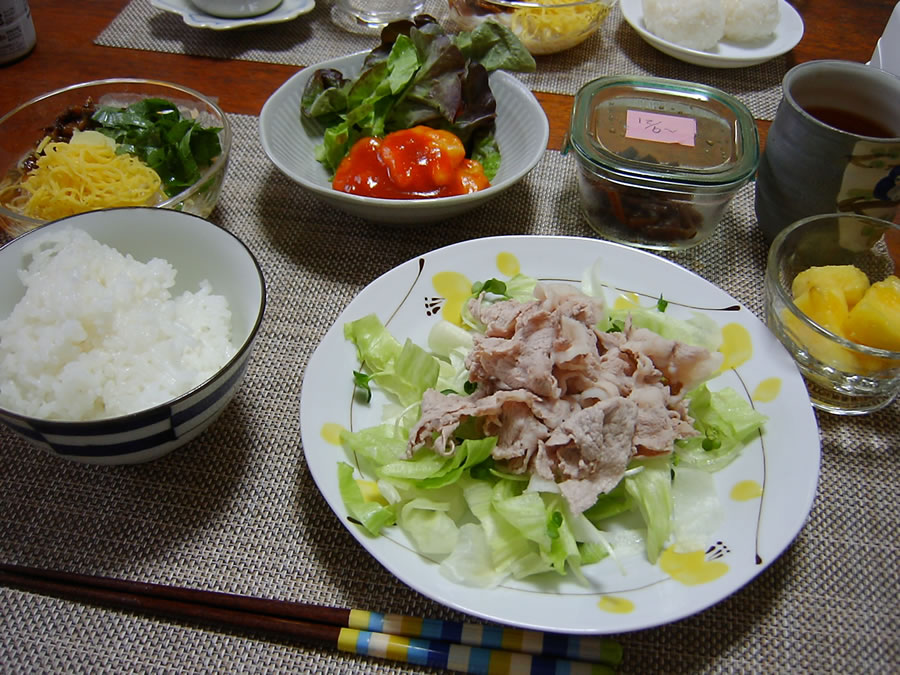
x,y
834,145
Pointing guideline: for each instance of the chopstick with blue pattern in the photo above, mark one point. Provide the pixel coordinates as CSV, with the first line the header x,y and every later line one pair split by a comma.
x,y
463,647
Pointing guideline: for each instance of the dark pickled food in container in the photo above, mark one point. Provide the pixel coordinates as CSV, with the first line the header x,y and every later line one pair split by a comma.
x,y
659,160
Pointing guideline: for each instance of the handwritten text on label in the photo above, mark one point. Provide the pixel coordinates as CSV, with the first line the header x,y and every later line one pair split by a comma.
x,y
649,126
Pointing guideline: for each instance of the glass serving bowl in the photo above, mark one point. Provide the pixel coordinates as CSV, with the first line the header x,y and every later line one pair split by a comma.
x,y
543,26
820,326
23,127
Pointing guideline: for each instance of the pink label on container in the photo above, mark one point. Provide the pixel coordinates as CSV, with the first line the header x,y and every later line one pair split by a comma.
x,y
650,126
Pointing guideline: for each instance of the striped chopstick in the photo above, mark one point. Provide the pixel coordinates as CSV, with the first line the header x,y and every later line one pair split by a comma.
x,y
463,647
554,645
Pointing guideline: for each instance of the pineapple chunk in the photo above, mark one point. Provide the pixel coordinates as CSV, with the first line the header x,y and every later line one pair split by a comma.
x,y
826,305
850,280
875,320
822,348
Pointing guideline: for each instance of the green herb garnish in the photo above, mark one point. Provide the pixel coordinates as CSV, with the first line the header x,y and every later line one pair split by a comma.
x,y
361,382
711,440
154,130
553,524
494,286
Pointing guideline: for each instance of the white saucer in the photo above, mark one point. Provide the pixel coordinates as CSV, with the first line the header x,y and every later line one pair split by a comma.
x,y
725,54
286,11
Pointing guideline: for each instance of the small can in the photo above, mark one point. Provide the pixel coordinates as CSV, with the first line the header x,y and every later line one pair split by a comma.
x,y
659,160
17,35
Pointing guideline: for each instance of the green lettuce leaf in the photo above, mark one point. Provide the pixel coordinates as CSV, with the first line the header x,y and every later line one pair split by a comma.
x,y
419,74
651,490
371,515
725,420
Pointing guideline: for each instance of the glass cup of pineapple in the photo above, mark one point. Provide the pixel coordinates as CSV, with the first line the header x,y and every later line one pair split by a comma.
x,y
833,299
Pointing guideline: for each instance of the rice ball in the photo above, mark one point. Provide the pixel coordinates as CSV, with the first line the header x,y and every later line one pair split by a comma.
x,y
748,20
696,24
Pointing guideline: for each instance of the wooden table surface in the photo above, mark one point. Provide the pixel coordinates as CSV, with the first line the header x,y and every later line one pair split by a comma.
x,y
65,54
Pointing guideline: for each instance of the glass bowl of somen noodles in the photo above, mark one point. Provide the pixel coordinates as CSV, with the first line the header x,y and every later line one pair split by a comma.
x,y
107,144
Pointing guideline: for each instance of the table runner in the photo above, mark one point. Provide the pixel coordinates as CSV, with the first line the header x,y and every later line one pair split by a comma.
x,y
615,50
237,510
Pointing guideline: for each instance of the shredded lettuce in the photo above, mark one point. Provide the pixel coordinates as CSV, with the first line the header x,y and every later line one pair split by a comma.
x,y
383,443
485,525
376,347
725,421
471,563
697,511
651,491
370,514
700,330
405,372
428,525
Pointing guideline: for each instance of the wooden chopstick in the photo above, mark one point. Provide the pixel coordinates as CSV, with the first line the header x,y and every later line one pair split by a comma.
x,y
471,648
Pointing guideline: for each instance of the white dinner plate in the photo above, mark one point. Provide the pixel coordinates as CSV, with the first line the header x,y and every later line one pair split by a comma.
x,y
725,54
781,464
193,16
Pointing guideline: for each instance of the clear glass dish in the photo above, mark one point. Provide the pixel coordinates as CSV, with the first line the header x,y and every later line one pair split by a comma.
x,y
543,26
843,377
23,127
659,160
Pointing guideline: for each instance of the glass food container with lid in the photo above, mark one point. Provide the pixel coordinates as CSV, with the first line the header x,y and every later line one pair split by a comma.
x,y
659,160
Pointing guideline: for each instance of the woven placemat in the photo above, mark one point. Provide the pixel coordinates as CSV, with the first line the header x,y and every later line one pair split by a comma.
x,y
237,510
615,50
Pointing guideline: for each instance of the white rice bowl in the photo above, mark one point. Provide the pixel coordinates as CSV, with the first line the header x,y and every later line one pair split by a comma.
x,y
696,24
98,334
750,20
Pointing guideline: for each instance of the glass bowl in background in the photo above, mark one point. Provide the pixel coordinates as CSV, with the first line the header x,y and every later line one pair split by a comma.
x,y
543,26
23,127
823,328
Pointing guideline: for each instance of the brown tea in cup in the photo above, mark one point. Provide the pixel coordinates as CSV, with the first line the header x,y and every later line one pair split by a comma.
x,y
851,122
833,147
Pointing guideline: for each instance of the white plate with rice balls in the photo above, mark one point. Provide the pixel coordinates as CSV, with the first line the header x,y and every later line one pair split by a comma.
x,y
694,32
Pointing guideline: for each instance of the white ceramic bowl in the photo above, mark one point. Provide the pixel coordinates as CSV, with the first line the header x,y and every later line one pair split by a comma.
x,y
198,250
522,133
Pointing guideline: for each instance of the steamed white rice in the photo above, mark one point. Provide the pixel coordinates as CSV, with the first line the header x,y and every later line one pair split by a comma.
x,y
99,334
749,20
696,24
701,24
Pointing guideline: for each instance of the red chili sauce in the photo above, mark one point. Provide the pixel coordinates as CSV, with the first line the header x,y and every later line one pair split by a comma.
x,y
414,163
